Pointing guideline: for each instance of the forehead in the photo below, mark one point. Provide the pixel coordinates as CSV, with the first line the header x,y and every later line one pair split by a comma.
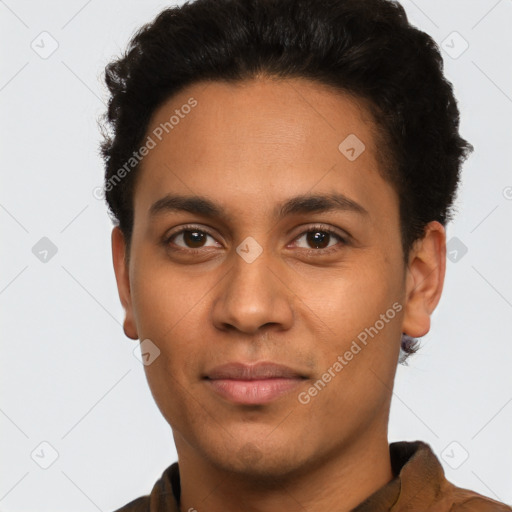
x,y
262,140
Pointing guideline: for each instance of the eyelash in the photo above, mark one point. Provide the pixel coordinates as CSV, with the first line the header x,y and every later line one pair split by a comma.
x,y
315,228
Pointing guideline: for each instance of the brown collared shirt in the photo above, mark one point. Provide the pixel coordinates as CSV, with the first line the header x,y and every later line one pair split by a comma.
x,y
419,485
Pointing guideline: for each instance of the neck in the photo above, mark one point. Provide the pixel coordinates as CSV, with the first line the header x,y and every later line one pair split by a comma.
x,y
338,482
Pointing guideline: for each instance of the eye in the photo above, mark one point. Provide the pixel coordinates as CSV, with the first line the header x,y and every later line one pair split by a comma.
x,y
190,238
321,237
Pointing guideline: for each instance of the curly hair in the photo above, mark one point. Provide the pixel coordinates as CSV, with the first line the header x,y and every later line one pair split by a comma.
x,y
365,48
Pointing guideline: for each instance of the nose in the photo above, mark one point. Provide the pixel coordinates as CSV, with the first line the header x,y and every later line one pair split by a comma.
x,y
253,296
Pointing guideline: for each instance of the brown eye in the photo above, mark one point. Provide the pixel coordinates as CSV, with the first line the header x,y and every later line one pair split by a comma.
x,y
320,240
194,239
190,238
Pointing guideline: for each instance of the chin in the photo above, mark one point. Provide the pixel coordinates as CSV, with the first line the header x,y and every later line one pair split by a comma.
x,y
260,464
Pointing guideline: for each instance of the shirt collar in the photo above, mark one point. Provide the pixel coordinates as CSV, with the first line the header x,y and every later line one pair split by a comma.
x,y
418,481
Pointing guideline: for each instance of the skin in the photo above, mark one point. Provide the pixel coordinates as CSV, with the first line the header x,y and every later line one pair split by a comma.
x,y
248,147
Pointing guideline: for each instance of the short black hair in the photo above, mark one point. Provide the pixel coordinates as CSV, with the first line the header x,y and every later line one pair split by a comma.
x,y
364,48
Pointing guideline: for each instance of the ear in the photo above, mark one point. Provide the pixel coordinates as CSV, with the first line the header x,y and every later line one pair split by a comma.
x,y
424,280
121,270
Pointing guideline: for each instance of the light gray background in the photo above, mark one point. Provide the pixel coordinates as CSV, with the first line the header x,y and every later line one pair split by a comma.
x,y
68,374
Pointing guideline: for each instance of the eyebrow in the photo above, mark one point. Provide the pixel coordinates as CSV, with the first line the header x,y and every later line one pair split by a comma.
x,y
302,204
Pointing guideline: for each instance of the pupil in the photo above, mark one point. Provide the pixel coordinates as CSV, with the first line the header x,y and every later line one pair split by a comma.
x,y
193,238
318,238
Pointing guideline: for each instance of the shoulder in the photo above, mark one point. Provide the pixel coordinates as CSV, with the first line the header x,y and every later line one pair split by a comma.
x,y
480,504
164,495
424,486
465,500
138,505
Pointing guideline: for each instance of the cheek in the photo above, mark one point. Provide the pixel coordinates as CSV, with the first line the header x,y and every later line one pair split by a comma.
x,y
351,300
173,375
163,297
165,309
360,313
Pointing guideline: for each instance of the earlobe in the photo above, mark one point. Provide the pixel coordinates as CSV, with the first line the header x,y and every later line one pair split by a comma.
x,y
123,281
425,280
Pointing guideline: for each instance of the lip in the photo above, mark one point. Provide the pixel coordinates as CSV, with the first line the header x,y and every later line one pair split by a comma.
x,y
253,384
254,371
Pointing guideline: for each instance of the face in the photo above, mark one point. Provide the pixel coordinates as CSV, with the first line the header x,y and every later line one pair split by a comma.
x,y
293,256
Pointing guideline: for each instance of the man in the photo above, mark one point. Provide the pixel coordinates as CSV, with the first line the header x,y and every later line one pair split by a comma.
x,y
280,173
